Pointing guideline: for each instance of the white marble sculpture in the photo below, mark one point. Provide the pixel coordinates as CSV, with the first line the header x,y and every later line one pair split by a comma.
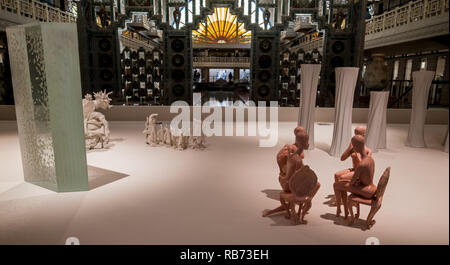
x,y
198,142
167,136
157,134
151,130
96,129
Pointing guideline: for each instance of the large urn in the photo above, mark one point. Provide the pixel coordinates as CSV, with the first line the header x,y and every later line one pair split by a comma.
x,y
376,74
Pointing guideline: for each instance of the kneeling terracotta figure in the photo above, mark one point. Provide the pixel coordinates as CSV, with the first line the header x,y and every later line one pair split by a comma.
x,y
361,182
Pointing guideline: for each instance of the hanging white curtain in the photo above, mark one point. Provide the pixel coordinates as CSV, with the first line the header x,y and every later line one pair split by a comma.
x,y
377,122
421,88
346,78
445,143
308,93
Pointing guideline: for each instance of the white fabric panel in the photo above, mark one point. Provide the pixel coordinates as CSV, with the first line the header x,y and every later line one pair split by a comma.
x,y
446,142
346,78
421,88
308,93
376,122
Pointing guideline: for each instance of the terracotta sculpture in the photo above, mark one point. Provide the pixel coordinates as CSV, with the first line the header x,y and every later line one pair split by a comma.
x,y
361,183
374,202
347,174
290,159
304,186
95,124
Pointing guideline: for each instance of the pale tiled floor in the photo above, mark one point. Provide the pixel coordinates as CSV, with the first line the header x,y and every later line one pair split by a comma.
x,y
216,196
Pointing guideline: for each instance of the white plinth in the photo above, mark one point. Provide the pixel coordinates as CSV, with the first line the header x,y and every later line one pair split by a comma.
x,y
308,93
346,78
376,122
421,88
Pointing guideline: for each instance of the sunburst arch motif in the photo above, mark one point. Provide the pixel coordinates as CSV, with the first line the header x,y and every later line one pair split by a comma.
x,y
221,27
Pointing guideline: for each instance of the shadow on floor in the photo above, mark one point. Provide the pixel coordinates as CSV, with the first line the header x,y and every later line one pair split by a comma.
x,y
272,194
116,140
105,148
279,219
360,224
99,177
331,200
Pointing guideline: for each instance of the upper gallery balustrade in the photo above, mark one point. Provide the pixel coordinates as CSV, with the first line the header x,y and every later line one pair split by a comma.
x,y
37,10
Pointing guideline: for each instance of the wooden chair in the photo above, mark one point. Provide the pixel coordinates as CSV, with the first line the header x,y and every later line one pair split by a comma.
x,y
304,186
374,203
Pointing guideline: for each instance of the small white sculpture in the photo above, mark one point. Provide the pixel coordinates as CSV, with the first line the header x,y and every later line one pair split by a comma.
x,y
151,134
167,137
96,129
198,142
182,144
156,134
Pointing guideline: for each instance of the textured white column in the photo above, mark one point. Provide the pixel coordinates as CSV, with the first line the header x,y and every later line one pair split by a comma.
x,y
376,122
308,93
421,88
45,71
346,78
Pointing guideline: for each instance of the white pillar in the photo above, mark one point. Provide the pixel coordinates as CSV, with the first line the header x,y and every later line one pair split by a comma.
x,y
421,88
308,92
346,78
376,123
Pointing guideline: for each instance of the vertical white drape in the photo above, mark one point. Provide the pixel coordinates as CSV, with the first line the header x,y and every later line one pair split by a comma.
x,y
421,88
308,93
346,78
376,122
445,143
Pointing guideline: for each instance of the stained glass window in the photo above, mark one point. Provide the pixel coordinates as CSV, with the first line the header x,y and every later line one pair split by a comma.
x,y
221,27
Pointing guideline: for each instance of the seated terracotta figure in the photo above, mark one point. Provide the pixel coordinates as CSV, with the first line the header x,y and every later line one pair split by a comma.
x,y
347,174
361,182
290,159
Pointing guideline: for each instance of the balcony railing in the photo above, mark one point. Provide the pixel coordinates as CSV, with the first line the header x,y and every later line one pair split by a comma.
x,y
222,59
37,10
136,42
402,15
312,44
409,13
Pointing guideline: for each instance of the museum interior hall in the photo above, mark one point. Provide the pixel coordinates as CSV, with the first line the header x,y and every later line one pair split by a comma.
x,y
224,122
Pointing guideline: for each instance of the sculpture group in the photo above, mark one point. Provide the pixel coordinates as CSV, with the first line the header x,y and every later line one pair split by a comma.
x,y
96,129
352,187
156,134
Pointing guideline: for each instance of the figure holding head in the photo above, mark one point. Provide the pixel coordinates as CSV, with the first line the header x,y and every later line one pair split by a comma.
x,y
361,182
347,174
